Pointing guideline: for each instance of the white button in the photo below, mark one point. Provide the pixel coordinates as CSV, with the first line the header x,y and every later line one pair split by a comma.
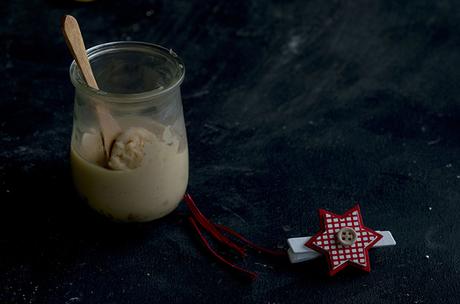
x,y
346,236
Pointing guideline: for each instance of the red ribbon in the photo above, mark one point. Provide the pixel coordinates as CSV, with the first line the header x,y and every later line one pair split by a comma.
x,y
197,219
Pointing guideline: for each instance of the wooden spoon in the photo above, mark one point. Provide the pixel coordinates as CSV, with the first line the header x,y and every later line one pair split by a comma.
x,y
109,126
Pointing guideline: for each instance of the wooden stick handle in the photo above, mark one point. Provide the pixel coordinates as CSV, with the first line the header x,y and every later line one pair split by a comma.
x,y
74,40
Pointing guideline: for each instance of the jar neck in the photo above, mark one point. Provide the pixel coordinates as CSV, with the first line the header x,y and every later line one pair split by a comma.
x,y
131,72
129,105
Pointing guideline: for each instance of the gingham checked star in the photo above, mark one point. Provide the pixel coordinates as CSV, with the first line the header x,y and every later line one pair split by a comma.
x,y
338,255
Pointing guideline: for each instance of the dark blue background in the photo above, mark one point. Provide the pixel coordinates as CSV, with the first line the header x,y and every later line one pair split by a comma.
x,y
290,106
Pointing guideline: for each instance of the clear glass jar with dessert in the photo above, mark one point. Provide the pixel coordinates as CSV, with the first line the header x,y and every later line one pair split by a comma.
x,y
144,175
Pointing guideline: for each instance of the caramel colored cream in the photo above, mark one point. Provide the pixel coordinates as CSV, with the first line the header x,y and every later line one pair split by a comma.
x,y
147,174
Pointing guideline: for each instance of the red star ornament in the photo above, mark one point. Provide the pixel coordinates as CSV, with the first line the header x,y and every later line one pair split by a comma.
x,y
344,240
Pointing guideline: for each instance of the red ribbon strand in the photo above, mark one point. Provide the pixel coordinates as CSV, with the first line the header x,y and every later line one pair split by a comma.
x,y
209,226
249,274
197,219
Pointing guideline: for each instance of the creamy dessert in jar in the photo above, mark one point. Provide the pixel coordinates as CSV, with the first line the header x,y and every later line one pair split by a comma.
x,y
144,178
142,175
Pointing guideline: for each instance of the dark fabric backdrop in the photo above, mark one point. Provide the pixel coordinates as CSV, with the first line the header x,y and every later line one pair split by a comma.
x,y
290,106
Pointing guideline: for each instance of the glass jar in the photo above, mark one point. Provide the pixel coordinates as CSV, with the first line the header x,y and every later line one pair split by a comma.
x,y
140,87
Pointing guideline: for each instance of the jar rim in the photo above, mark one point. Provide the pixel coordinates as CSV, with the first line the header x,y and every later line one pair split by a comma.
x,y
120,98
